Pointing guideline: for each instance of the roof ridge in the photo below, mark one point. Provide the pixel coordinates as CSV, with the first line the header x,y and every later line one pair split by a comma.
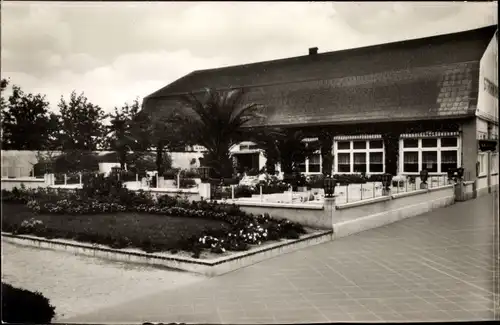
x,y
362,48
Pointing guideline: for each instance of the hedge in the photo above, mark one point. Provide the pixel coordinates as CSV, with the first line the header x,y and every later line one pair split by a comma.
x,y
23,306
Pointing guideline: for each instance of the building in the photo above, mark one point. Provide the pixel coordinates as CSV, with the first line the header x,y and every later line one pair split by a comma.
x,y
399,107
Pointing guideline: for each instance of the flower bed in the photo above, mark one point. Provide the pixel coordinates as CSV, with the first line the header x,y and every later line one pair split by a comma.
x,y
97,212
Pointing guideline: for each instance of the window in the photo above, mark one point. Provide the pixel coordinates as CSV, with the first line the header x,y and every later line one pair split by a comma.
x,y
481,158
449,142
344,162
437,155
359,144
376,162
429,143
360,156
429,161
344,145
494,163
359,162
410,163
410,143
449,160
315,163
377,144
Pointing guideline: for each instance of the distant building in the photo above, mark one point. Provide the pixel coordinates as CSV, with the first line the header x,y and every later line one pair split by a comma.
x,y
400,107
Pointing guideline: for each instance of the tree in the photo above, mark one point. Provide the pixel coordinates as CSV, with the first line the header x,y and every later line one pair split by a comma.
x,y
27,123
217,121
163,132
121,137
81,124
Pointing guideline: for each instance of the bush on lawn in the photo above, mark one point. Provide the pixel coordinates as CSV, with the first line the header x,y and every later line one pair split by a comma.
x,y
23,306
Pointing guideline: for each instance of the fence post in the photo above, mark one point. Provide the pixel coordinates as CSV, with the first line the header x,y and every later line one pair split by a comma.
x,y
179,180
65,179
136,177
373,189
361,191
291,193
406,185
232,191
347,193
80,178
261,197
397,186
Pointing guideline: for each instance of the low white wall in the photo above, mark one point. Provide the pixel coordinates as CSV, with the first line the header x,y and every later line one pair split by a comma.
x,y
359,216
309,215
28,182
183,159
106,167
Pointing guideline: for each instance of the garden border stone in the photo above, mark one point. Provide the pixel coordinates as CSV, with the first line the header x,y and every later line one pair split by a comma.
x,y
208,267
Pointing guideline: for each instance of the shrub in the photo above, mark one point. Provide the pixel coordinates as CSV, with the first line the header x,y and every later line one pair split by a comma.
x,y
316,181
75,161
344,179
243,191
225,181
23,306
191,174
170,174
43,168
187,183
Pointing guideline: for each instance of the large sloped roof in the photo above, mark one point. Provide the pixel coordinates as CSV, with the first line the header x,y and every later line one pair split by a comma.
x,y
434,77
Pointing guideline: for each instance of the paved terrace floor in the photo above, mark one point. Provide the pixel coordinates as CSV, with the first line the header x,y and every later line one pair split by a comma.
x,y
434,267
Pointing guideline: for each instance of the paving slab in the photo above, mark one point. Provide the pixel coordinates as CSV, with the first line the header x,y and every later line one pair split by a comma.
x,y
435,267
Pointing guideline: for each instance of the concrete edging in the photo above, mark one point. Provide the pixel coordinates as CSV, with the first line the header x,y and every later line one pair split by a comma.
x,y
209,267
362,202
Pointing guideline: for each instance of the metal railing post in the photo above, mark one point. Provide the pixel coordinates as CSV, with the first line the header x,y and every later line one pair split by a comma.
x,y
65,179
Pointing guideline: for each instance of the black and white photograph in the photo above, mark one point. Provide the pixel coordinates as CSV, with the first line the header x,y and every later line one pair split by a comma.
x,y
249,162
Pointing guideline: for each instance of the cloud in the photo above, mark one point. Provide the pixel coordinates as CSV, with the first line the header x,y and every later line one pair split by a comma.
x,y
115,52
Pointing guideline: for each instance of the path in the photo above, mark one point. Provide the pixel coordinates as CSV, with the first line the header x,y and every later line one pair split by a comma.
x,y
78,284
437,266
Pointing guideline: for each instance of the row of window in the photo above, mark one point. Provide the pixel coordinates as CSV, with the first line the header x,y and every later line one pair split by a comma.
x,y
437,155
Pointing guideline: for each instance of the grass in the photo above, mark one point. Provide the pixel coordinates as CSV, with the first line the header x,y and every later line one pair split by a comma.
x,y
165,232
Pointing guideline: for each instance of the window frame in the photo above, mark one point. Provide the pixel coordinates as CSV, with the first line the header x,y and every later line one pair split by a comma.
x,y
421,149
351,151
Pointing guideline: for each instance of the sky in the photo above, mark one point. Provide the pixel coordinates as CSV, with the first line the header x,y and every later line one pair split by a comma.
x,y
116,52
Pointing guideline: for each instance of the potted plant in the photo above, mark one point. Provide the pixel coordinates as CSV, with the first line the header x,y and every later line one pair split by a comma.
x,y
386,184
424,175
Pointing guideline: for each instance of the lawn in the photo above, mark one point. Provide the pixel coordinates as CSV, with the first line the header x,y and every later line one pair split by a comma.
x,y
163,233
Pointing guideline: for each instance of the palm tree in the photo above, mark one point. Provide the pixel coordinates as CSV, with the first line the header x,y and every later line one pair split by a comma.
x,y
285,146
218,121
